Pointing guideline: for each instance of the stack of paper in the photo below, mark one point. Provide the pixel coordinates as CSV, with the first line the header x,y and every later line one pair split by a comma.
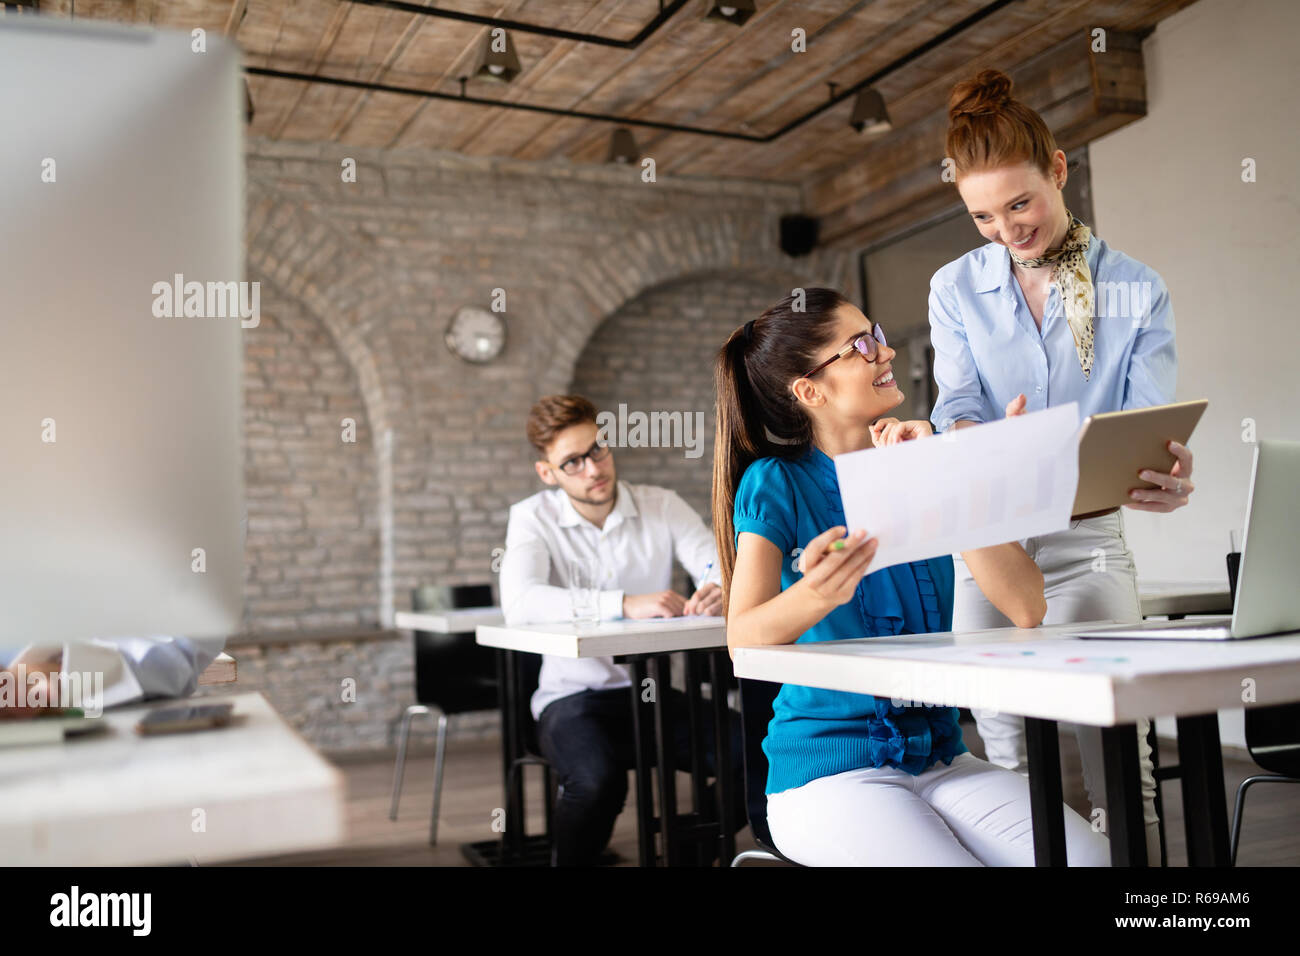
x,y
965,489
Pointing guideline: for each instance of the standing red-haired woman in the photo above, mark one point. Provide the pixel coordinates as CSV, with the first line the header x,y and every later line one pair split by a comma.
x,y
1034,319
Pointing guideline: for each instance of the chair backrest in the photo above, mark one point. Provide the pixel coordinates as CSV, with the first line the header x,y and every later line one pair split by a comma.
x,y
1272,733
452,670
444,597
1273,737
756,697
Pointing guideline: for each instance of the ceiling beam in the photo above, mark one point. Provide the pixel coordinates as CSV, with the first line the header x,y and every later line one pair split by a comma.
x,y
236,16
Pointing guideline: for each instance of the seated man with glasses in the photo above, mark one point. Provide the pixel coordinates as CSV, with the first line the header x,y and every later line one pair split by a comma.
x,y
628,535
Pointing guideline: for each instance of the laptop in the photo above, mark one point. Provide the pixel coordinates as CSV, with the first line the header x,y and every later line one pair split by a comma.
x,y
1266,601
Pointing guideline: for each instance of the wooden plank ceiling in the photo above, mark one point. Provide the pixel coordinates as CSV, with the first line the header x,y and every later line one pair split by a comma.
x,y
691,71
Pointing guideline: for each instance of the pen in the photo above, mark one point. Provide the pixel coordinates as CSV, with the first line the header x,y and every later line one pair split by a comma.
x,y
707,568
839,544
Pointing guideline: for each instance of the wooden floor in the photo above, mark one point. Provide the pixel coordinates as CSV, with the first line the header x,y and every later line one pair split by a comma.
x,y
472,792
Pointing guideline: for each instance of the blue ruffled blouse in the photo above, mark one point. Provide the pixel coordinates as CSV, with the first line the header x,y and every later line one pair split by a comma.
x,y
814,732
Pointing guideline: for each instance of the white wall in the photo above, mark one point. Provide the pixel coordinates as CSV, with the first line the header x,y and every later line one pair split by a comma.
x,y
1223,84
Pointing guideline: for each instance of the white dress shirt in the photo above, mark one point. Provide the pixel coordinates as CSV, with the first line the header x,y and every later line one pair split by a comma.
x,y
647,527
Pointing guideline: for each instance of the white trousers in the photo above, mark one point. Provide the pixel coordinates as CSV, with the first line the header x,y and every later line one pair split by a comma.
x,y
1088,575
969,813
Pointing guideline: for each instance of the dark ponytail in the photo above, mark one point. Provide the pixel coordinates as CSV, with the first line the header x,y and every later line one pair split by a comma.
x,y
757,414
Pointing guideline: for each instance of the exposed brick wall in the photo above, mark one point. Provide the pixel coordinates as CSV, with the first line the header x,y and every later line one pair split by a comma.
x,y
360,282
312,547
656,354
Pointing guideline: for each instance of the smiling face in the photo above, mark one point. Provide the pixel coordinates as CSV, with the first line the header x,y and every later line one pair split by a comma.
x,y
595,481
1017,206
851,391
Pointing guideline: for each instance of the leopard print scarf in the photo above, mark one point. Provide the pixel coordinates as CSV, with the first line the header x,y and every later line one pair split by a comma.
x,y
1071,274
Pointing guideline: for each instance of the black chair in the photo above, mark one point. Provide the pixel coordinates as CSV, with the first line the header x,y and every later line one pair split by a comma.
x,y
1273,739
453,675
756,697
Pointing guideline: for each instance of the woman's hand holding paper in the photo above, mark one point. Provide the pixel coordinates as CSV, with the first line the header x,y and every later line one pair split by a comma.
x,y
833,565
891,431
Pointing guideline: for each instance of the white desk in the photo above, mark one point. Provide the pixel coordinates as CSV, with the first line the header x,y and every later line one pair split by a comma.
x,y
1047,675
644,644
117,798
1041,672
610,638
459,620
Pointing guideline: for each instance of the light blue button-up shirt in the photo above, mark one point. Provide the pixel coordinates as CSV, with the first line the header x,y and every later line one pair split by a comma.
x,y
987,349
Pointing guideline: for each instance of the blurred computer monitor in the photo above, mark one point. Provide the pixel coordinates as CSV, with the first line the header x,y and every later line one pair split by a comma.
x,y
121,493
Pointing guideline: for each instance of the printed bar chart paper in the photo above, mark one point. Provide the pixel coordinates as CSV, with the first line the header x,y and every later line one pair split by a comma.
x,y
965,489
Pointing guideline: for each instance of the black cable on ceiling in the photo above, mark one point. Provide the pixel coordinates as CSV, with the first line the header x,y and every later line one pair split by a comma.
x,y
664,15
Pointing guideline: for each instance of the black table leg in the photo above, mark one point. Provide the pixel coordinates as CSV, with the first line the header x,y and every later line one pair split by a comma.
x,y
1128,844
719,678
694,717
665,745
655,744
641,731
511,750
694,714
1154,743
1046,803
1205,810
514,847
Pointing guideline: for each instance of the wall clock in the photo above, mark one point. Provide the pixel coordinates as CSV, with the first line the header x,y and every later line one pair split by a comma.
x,y
476,335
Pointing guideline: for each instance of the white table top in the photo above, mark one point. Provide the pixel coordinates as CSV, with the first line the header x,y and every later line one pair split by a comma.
x,y
1041,672
662,635
1158,598
448,622
117,798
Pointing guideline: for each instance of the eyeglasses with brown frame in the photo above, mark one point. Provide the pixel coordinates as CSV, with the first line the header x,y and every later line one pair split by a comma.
x,y
865,345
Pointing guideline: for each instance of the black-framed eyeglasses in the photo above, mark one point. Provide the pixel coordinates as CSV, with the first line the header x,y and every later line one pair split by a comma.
x,y
865,345
575,464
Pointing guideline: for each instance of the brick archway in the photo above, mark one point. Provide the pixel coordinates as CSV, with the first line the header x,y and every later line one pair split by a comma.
x,y
725,243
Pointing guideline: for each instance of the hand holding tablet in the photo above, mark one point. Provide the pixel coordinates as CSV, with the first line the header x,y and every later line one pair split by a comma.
x,y
1142,444
1174,486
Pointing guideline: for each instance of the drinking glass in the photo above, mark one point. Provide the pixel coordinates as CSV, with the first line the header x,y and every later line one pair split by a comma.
x,y
584,590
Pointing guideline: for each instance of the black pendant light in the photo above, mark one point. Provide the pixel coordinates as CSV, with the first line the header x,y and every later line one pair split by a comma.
x,y
869,113
732,11
497,66
622,147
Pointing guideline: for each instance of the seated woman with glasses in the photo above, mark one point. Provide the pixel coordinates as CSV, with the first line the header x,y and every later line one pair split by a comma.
x,y
853,780
624,537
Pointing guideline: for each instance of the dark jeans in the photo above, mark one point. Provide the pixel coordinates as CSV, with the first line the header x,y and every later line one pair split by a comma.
x,y
588,739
